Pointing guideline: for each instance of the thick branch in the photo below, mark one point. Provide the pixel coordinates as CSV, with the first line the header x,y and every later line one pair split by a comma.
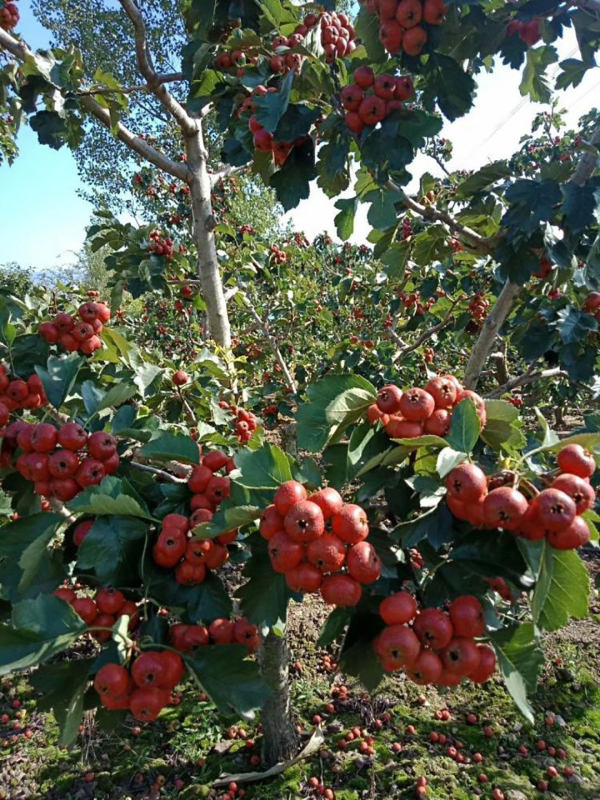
x,y
146,67
526,378
21,52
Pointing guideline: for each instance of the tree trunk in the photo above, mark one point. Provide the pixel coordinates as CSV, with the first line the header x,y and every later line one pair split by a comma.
x,y
280,739
204,238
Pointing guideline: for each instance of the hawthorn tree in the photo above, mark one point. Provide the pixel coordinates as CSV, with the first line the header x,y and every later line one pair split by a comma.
x,y
138,488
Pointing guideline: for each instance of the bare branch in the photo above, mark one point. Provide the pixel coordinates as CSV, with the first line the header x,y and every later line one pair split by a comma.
x,y
587,162
224,172
426,334
527,378
274,347
146,67
160,473
142,87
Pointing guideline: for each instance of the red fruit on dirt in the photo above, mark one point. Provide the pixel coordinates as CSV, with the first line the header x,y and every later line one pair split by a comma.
x,y
443,392
398,609
364,77
180,378
188,574
487,665
372,110
576,460
364,565
147,703
466,614
148,669
329,501
110,601
555,509
504,508
304,578
385,86
86,608
399,428
466,483
288,494
112,679
341,591
304,522
169,548
397,646
271,522
578,489
101,445
218,489
461,656
577,534
351,524
416,405
43,437
327,553
427,668
438,424
434,628
352,97
62,464
478,402
388,399
72,436
285,554
90,473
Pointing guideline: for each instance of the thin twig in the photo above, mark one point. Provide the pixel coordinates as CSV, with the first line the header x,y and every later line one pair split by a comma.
x,y
160,473
527,378
428,333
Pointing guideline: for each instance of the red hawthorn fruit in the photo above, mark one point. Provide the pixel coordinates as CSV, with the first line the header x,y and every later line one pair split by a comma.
x,y
49,332
364,565
576,460
146,704
409,13
89,311
353,122
364,77
438,424
90,473
466,483
350,524
304,522
197,550
327,553
271,522
112,679
434,628
173,668
199,479
555,509
466,614
385,86
66,594
62,463
486,667
388,399
414,40
304,578
478,402
169,547
398,609
288,494
218,489
148,669
404,87
109,600
504,508
352,96
329,501
72,436
372,110
443,392
180,378
427,668
341,590
221,631
397,646
188,574
575,535
64,322
578,489
43,437
103,621
461,656
215,460
399,428
101,445
285,554
86,609
416,405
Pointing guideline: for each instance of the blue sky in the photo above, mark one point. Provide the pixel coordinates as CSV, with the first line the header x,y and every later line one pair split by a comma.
x,y
42,220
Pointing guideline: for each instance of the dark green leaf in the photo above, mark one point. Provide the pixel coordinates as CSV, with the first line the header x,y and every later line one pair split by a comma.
x,y
113,549
59,376
166,446
265,595
520,659
62,687
465,427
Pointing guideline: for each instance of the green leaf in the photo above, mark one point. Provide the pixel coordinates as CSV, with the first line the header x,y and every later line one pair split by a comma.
x,y
117,395
33,556
367,29
58,377
265,468
41,627
166,446
562,589
334,626
358,656
202,603
574,325
503,428
26,567
265,596
448,459
271,108
450,85
113,549
520,659
226,519
344,221
334,403
427,440
233,683
483,178
112,496
292,181
62,688
464,427
534,81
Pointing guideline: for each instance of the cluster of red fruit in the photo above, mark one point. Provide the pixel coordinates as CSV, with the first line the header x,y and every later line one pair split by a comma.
x,y
146,689
311,539
9,15
265,143
220,631
591,304
277,254
337,34
406,415
370,99
16,394
553,514
175,547
414,300
529,32
53,460
102,611
478,306
433,646
161,245
245,421
403,23
546,267
81,334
